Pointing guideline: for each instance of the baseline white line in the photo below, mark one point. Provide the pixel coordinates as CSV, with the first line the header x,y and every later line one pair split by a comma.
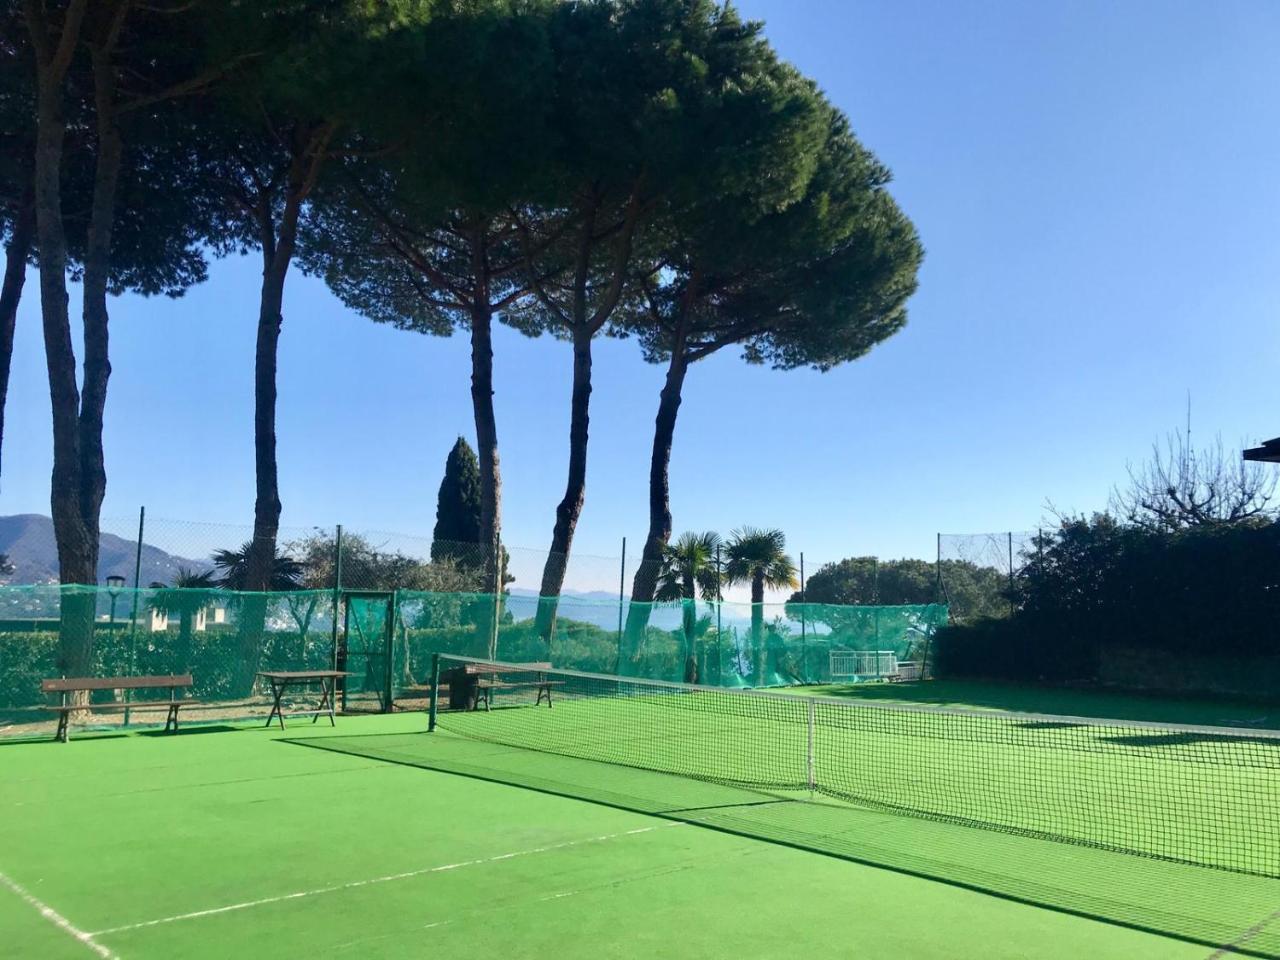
x,y
1229,949
57,919
387,879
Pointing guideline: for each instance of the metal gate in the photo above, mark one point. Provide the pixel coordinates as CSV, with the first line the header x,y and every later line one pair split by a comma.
x,y
364,650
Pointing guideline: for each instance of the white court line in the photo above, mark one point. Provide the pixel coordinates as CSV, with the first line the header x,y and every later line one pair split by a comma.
x,y
1229,949
57,919
387,879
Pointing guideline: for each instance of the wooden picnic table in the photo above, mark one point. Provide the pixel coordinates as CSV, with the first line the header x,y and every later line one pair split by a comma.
x,y
282,680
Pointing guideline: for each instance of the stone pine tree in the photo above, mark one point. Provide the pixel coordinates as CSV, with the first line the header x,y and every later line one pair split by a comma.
x,y
419,230
105,71
457,531
649,96
265,139
814,282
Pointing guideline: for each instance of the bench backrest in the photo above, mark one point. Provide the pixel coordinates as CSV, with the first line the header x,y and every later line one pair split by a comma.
x,y
68,684
486,668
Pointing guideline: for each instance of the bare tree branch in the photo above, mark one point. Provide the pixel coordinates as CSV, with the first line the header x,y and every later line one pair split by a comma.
x,y
1182,487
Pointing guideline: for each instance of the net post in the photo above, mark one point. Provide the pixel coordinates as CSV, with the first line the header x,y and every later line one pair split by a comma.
x,y
435,692
813,707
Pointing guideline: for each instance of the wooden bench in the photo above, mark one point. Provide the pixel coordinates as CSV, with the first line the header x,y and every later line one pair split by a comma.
x,y
481,679
488,678
68,685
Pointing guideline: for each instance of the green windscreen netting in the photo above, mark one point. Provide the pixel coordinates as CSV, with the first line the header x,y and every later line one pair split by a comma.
x,y
385,640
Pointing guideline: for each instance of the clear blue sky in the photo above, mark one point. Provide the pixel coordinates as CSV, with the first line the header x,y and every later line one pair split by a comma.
x,y
1096,186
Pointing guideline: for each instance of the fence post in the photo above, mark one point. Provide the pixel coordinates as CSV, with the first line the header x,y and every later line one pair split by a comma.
x,y
435,692
804,638
133,614
622,588
719,634
337,597
1012,604
390,650
938,594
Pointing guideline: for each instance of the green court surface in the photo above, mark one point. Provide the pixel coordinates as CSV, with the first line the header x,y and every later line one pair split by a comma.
x,y
375,839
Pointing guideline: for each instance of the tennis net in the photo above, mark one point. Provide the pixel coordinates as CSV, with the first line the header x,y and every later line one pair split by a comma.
x,y
1207,796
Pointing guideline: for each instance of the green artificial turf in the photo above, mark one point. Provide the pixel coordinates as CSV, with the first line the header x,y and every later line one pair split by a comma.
x,y
391,843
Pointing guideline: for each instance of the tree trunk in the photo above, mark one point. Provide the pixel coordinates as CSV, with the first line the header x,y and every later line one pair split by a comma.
x,y
689,620
260,558
308,148
570,508
77,542
487,447
15,275
757,629
645,582
97,277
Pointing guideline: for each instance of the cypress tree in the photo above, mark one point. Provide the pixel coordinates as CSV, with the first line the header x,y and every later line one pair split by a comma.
x,y
458,506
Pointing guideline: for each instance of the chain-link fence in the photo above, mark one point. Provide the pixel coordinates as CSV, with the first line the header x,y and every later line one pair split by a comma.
x,y
145,550
977,572
383,640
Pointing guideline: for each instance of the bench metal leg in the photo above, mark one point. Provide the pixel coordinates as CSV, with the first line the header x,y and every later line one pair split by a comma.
x,y
171,721
544,690
61,735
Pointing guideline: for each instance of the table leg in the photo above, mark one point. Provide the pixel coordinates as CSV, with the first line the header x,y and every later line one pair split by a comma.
x,y
326,700
277,692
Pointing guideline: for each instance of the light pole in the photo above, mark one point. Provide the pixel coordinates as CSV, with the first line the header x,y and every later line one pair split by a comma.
x,y
115,584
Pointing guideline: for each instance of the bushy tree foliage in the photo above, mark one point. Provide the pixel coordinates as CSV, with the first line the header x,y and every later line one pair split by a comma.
x,y
976,590
1098,584
805,261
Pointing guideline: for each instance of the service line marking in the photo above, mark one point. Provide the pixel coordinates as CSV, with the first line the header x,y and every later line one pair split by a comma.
x,y
57,919
441,868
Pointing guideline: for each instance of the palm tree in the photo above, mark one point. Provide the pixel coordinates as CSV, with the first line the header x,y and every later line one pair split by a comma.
x,y
759,557
689,570
286,572
189,593
287,575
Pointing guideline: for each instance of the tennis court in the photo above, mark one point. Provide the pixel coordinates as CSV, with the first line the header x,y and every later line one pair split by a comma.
x,y
378,839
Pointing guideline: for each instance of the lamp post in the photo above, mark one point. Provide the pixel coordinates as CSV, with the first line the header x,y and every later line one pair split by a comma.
x,y
115,584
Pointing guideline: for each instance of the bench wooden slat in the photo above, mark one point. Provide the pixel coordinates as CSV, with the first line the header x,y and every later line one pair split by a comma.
x,y
72,684
484,668
505,684
136,705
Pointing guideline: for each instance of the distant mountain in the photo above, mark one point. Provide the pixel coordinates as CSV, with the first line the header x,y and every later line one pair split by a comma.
x,y
28,540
